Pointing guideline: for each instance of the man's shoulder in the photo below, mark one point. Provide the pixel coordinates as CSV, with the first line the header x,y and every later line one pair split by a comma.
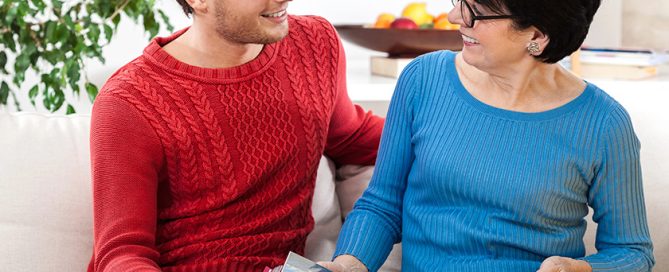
x,y
309,21
133,84
310,24
313,34
127,77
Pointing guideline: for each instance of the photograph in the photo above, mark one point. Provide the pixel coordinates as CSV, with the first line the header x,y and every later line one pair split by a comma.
x,y
334,136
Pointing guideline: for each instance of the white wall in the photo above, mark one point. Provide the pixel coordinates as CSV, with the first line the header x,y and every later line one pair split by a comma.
x,y
606,29
646,24
130,41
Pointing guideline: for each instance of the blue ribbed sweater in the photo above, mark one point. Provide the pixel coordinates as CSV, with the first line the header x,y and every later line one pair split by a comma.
x,y
469,187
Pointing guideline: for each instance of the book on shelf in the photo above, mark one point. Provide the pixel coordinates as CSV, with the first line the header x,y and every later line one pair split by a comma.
x,y
625,64
296,263
622,57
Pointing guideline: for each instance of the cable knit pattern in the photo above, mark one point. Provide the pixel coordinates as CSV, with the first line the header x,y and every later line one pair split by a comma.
x,y
199,169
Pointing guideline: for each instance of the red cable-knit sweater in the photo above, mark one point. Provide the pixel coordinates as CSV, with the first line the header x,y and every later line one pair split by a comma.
x,y
200,169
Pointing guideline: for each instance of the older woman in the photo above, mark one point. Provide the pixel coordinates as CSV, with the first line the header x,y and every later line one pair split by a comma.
x,y
491,157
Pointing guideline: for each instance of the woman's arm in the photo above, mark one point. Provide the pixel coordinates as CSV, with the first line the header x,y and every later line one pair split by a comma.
x,y
374,225
616,196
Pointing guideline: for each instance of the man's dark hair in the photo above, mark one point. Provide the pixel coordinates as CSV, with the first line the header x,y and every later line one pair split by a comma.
x,y
566,22
186,7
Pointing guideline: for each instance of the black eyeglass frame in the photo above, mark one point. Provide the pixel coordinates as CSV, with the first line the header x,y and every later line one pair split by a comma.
x,y
475,17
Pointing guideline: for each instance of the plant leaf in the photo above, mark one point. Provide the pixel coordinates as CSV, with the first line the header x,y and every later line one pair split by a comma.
x,y
51,32
109,32
58,100
4,93
92,91
166,20
70,110
150,24
11,14
93,33
3,61
8,39
32,94
116,20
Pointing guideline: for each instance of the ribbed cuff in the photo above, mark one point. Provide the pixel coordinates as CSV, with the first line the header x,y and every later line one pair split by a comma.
x,y
367,238
618,261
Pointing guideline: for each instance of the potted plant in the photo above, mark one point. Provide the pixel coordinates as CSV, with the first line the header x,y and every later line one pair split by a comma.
x,y
52,38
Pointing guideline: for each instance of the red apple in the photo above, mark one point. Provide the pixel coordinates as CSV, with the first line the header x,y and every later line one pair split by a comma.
x,y
404,23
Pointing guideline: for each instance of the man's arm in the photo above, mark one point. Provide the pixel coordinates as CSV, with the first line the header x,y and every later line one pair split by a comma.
x,y
354,134
126,156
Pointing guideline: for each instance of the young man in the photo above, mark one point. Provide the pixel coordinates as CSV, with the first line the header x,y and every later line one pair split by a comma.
x,y
205,148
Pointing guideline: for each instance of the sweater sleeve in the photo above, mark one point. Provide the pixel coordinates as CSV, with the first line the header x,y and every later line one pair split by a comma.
x,y
616,196
375,223
126,157
353,135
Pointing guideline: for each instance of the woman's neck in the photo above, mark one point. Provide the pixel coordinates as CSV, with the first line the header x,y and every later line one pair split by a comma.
x,y
528,86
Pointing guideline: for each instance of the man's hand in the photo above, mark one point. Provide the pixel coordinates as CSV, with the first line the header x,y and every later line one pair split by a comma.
x,y
563,264
345,263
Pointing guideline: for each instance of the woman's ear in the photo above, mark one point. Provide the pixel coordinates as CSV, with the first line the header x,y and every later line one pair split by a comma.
x,y
198,6
538,42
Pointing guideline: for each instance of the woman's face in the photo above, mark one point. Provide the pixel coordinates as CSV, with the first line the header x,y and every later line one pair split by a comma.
x,y
489,44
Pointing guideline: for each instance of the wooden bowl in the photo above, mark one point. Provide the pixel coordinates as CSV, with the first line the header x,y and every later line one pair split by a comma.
x,y
401,42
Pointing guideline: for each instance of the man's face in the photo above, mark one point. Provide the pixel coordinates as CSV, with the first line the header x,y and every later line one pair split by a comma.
x,y
251,21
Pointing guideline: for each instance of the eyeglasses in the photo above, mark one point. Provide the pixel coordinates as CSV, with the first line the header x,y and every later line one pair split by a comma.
x,y
469,17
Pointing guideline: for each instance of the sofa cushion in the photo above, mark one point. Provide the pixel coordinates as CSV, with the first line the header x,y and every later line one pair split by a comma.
x,y
322,241
45,193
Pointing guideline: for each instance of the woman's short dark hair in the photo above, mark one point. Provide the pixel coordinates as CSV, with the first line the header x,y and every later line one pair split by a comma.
x,y
566,22
186,7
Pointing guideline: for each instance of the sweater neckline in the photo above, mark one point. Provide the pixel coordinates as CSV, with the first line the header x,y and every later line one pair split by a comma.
x,y
155,53
557,112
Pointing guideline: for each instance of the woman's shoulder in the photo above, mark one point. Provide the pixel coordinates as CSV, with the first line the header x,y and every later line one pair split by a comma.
x,y
604,101
438,58
441,54
427,77
429,65
613,113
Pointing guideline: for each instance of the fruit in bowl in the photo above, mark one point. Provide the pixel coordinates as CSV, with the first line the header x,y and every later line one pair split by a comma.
x,y
441,22
384,20
413,33
418,14
403,23
401,42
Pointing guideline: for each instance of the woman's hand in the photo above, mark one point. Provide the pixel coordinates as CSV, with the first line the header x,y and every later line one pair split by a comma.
x,y
345,263
564,264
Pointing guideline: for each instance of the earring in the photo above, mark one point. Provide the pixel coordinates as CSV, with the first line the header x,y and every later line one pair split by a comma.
x,y
533,48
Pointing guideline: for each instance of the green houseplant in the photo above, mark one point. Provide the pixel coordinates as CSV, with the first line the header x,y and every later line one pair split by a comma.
x,y
52,38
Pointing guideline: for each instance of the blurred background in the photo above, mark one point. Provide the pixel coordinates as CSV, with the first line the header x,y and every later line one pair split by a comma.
x,y
618,23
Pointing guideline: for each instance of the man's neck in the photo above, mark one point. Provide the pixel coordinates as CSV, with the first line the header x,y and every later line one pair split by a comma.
x,y
203,47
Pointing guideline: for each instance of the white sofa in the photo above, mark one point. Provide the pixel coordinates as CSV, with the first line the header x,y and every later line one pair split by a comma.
x,y
45,190
46,198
